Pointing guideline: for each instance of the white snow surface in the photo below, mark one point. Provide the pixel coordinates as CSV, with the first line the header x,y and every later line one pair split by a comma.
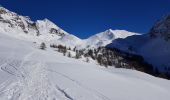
x,y
28,73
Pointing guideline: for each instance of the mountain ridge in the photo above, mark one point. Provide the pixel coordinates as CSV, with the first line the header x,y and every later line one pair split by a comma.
x,y
45,30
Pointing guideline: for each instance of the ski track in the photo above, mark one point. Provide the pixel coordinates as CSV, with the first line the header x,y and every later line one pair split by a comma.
x,y
103,97
12,91
64,92
34,84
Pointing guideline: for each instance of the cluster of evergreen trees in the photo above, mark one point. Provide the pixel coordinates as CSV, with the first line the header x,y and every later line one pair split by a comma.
x,y
62,49
113,57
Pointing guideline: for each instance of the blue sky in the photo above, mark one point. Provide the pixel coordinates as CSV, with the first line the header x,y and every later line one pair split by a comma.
x,y
84,18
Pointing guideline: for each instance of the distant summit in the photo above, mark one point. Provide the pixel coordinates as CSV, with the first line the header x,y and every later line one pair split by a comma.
x,y
106,37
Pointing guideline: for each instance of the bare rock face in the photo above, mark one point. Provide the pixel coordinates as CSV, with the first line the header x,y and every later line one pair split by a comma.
x,y
161,28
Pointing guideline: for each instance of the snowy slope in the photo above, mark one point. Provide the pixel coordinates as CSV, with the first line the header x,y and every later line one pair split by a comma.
x,y
155,51
134,41
28,73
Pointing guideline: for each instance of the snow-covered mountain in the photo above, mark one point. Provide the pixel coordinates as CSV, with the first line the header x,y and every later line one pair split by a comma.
x,y
161,28
105,38
23,27
154,46
157,49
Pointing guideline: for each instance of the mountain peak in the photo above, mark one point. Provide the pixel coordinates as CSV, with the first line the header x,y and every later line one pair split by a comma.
x,y
109,30
47,20
161,28
3,10
1,7
106,37
117,33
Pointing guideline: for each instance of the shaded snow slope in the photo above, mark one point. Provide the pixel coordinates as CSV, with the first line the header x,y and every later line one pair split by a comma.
x,y
28,73
134,42
155,51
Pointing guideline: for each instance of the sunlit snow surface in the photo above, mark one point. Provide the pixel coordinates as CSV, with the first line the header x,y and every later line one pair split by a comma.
x,y
28,73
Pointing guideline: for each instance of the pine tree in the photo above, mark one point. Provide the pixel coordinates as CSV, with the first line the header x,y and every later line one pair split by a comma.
x,y
43,46
69,48
74,49
64,50
77,54
87,59
99,59
69,55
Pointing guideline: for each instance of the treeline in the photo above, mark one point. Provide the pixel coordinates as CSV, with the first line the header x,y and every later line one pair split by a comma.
x,y
113,57
137,62
61,49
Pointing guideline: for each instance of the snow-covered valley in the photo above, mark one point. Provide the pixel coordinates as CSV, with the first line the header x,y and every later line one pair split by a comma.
x,y
28,73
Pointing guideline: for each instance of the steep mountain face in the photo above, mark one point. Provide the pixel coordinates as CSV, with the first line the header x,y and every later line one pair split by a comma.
x,y
154,46
42,30
161,28
157,49
12,22
46,26
106,37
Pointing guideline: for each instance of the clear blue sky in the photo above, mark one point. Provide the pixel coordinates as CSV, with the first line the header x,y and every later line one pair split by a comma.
x,y
84,18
